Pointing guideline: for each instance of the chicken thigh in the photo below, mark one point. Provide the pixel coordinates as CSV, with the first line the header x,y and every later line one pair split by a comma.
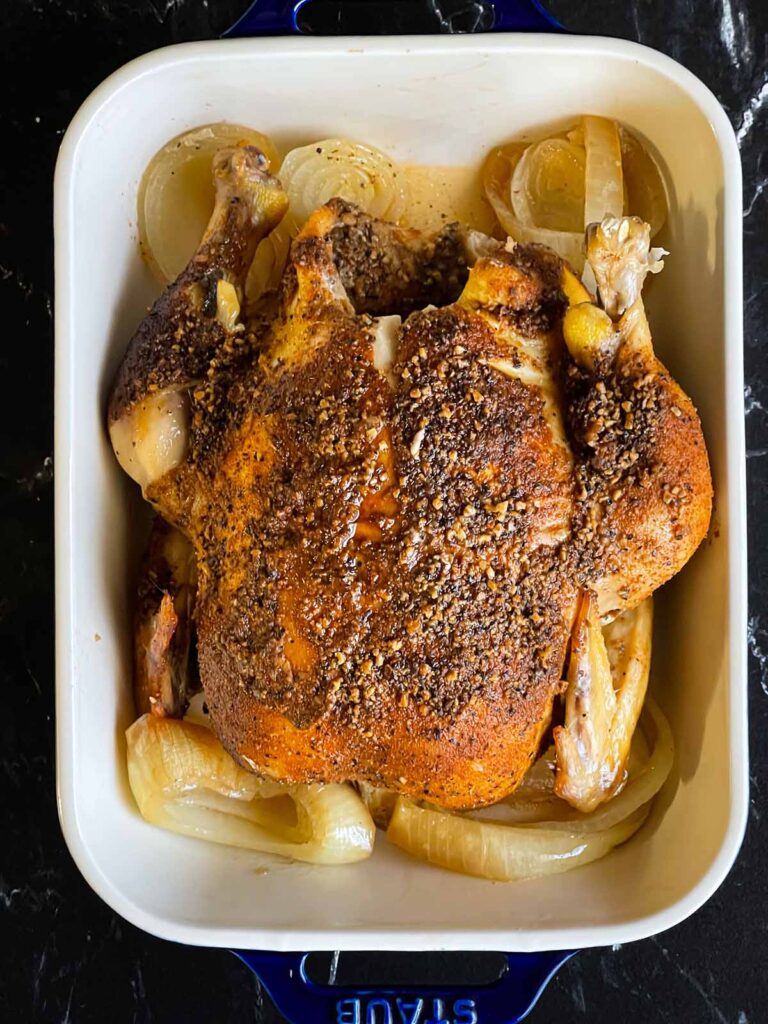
x,y
393,522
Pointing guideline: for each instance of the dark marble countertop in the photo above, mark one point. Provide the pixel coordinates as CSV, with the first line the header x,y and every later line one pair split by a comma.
x,y
66,957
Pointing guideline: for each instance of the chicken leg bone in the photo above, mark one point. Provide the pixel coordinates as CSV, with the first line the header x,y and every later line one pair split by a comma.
x,y
620,255
172,349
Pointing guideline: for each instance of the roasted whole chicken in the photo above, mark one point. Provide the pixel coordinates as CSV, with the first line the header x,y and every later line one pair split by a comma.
x,y
413,482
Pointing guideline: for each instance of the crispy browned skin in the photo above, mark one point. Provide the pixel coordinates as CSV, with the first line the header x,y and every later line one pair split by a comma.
x,y
175,342
385,269
643,486
379,595
388,576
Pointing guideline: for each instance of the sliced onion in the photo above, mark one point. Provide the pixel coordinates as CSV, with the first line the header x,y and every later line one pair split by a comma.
x,y
547,188
176,194
499,852
314,174
497,181
604,186
646,196
183,780
348,170
538,196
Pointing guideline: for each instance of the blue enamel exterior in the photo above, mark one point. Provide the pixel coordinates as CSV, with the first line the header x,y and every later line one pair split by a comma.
x,y
280,17
302,1001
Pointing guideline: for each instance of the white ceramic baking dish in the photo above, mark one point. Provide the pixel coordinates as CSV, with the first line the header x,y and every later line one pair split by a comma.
x,y
435,100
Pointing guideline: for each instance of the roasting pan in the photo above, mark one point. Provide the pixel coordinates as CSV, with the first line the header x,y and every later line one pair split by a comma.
x,y
440,100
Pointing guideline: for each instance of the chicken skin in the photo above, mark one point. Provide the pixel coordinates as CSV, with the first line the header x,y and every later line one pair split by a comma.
x,y
397,484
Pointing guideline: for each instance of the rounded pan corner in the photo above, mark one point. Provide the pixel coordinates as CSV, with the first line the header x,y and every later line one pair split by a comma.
x,y
695,898
693,85
100,884
168,928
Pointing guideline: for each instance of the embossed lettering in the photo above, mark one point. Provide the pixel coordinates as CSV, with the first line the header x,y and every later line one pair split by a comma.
x,y
438,1013
372,1017
464,1012
348,1011
410,1013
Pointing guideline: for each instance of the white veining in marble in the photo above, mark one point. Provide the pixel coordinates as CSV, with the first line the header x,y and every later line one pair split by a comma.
x,y
735,34
757,639
751,111
751,402
694,982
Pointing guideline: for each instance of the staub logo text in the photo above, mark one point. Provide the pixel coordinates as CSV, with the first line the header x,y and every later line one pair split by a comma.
x,y
405,1010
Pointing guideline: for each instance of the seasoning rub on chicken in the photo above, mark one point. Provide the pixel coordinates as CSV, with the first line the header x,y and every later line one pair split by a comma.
x,y
400,482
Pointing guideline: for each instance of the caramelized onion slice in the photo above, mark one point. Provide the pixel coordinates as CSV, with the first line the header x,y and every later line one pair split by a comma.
x,y
332,168
549,191
498,171
176,194
604,186
547,188
183,780
314,174
499,852
646,194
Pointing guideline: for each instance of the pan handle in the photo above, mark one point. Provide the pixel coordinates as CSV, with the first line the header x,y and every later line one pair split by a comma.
x,y
280,18
302,1001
